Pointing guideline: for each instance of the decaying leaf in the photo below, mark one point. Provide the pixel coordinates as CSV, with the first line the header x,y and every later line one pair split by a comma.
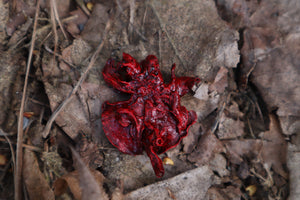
x,y
71,181
230,128
34,179
190,141
219,164
83,183
207,147
274,148
230,192
237,149
190,185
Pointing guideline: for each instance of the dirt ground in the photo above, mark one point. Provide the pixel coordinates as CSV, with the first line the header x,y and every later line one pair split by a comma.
x,y
244,145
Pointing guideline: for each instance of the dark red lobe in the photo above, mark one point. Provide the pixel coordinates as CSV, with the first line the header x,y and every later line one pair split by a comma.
x,y
153,119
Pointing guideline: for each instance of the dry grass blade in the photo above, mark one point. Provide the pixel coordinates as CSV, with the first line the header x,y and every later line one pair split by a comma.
x,y
19,152
56,16
83,76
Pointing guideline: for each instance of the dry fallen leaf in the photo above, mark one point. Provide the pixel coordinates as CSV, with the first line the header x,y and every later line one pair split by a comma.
x,y
189,185
91,184
274,147
230,192
35,182
190,141
236,150
230,128
71,181
207,147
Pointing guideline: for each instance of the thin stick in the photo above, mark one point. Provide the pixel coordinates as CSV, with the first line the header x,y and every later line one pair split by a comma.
x,y
65,20
2,133
53,22
54,8
19,156
30,147
131,24
74,90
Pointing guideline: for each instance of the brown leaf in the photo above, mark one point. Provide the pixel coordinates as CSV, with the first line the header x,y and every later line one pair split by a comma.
x,y
71,181
220,82
83,183
23,11
190,141
73,27
274,58
228,193
34,179
237,149
94,27
274,148
91,184
206,148
218,40
89,152
230,128
219,164
190,185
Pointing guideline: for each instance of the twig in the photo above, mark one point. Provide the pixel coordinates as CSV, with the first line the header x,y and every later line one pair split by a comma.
x,y
131,16
163,28
133,26
2,133
65,20
250,128
159,47
30,147
4,171
19,156
81,4
74,90
54,8
60,57
53,22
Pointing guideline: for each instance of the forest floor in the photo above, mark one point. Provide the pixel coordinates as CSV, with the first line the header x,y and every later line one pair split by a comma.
x,y
245,143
